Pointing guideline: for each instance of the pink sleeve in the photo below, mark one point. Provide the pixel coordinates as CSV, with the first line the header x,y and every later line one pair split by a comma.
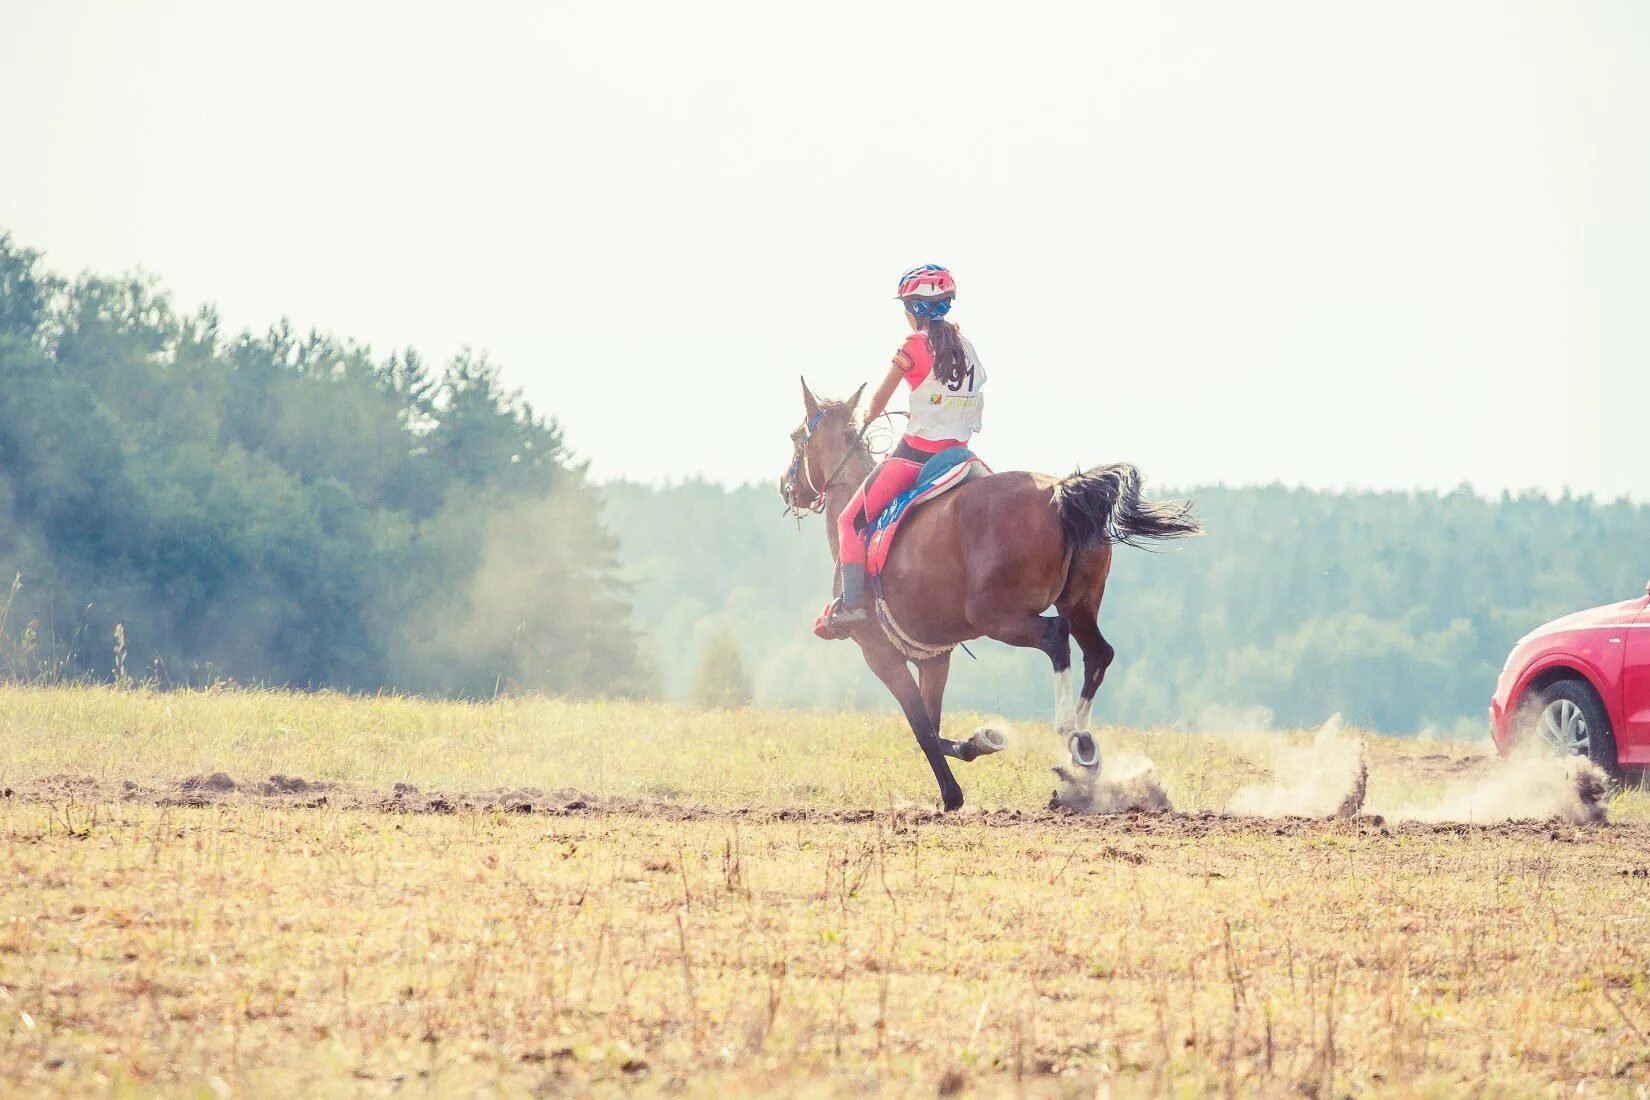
x,y
914,359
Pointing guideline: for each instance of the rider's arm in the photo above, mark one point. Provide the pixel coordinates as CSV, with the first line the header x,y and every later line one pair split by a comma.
x,y
885,392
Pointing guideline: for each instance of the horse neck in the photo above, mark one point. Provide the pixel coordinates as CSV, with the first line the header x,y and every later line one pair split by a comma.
x,y
839,492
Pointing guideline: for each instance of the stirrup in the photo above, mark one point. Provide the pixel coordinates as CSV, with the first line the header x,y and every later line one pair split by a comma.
x,y
843,616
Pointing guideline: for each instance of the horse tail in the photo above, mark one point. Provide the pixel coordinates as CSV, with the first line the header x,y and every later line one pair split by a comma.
x,y
1103,506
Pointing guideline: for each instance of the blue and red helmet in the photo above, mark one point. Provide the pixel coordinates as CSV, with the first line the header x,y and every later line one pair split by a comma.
x,y
928,281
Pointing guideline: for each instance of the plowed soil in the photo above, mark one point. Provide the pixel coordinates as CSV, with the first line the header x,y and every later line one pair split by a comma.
x,y
282,792
284,937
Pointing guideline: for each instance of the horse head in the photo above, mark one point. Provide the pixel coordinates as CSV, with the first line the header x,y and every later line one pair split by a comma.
x,y
820,447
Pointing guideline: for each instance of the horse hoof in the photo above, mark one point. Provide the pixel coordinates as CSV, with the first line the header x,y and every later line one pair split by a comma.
x,y
1085,753
987,741
952,801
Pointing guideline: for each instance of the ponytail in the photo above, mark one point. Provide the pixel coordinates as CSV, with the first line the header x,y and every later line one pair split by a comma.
x,y
944,341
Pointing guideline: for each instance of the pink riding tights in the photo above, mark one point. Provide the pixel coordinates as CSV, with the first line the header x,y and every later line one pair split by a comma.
x,y
891,478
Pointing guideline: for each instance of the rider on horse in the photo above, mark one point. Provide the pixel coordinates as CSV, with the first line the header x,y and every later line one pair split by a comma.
x,y
940,366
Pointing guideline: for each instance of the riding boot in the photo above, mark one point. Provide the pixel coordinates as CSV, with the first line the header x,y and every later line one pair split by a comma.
x,y
850,609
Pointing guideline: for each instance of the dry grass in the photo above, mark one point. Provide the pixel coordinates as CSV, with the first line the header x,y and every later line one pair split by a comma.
x,y
727,758
242,948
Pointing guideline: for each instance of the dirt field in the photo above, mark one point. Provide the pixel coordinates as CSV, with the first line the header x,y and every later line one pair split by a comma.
x,y
177,928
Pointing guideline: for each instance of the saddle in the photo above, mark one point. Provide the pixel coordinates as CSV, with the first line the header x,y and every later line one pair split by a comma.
x,y
940,474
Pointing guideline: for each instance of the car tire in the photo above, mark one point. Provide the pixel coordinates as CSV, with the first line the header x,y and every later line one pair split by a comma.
x,y
1566,709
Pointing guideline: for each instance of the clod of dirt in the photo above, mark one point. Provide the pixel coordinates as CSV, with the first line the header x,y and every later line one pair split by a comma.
x,y
952,1081
519,801
402,790
284,784
1353,803
1129,784
217,782
1592,787
67,783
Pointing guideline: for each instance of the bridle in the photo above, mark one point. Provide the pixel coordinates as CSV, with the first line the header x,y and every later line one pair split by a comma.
x,y
799,475
799,468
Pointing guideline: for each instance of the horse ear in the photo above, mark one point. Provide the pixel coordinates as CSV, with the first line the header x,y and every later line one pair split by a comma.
x,y
853,402
808,400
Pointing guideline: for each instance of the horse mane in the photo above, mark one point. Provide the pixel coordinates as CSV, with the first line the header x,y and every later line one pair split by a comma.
x,y
852,428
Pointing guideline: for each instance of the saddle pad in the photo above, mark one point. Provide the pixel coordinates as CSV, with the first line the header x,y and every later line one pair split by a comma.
x,y
940,474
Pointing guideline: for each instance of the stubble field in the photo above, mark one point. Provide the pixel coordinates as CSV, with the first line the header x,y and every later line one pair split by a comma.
x,y
227,893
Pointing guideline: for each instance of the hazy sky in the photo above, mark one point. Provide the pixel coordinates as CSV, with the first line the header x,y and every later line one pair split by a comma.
x,y
1333,244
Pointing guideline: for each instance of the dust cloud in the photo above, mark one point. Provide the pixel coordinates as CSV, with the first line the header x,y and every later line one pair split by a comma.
x,y
1326,777
1126,783
1528,786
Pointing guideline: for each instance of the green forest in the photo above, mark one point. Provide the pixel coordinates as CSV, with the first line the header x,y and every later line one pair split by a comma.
x,y
285,508
293,509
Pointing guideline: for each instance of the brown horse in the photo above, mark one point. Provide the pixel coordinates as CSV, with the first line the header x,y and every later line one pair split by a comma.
x,y
986,559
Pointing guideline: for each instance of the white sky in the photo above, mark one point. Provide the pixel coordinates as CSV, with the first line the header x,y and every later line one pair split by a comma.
x,y
1341,245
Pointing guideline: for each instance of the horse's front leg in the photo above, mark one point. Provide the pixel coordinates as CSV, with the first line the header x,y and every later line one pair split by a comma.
x,y
931,677
889,665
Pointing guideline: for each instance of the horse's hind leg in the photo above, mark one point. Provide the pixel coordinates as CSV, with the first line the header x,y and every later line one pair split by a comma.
x,y
1098,653
1097,658
1052,635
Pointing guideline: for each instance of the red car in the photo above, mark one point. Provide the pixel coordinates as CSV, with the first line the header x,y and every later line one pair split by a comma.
x,y
1582,684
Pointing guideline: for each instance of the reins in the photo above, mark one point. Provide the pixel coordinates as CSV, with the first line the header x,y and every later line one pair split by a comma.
x,y
858,448
799,465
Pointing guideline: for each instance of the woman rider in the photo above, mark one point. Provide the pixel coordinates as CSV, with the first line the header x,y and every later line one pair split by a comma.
x,y
940,366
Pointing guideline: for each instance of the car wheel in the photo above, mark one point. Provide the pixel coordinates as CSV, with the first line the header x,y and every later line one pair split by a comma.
x,y
1569,717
